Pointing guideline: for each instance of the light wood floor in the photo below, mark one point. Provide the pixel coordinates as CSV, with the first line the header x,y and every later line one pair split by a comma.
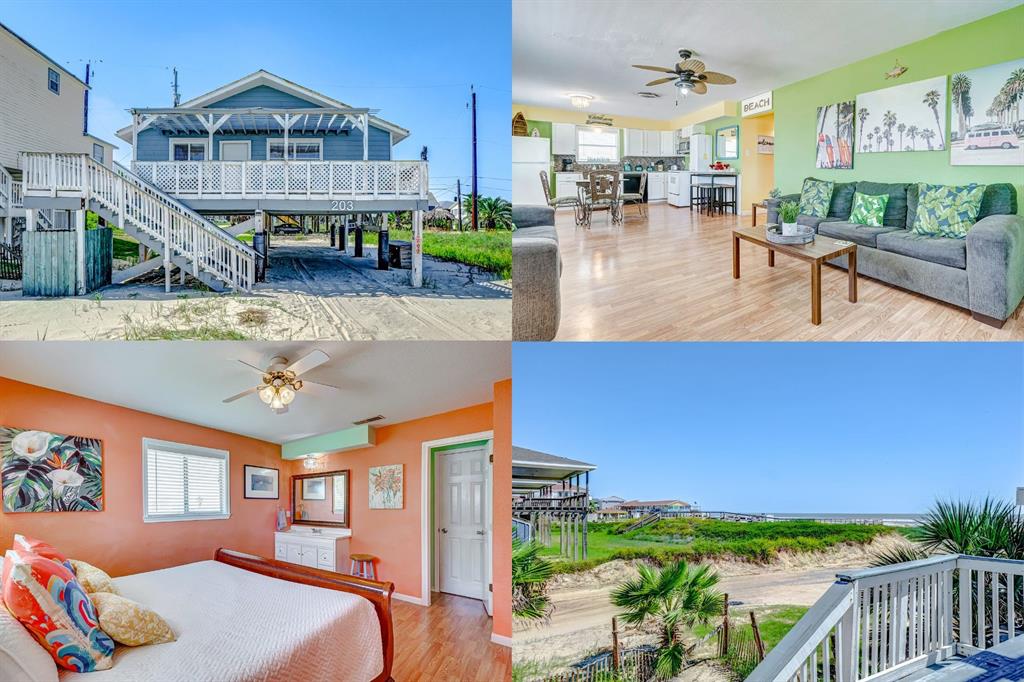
x,y
669,278
449,640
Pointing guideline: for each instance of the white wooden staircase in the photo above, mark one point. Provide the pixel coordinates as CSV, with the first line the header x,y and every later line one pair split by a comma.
x,y
158,221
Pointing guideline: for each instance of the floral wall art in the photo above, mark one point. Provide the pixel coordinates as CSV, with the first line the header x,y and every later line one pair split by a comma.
x,y
386,487
835,136
905,118
45,471
988,116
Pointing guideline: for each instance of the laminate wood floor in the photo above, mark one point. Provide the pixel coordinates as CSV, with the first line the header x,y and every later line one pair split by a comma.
x,y
668,277
449,640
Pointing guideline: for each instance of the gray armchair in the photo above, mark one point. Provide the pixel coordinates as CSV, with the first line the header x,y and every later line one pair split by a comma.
x,y
536,269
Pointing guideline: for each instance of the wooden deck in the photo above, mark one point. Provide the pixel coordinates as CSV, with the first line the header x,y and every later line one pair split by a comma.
x,y
449,640
668,277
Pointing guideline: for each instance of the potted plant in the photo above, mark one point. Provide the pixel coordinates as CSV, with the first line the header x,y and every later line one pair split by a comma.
x,y
788,211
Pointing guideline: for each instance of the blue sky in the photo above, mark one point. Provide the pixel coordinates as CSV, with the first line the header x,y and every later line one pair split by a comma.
x,y
414,61
777,427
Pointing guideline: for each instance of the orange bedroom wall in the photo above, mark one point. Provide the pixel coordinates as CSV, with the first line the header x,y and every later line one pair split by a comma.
x,y
502,509
394,535
116,539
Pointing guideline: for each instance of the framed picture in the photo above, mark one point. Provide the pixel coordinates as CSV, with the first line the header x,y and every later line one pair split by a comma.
x,y
44,472
765,144
314,488
386,487
987,128
835,136
261,483
904,118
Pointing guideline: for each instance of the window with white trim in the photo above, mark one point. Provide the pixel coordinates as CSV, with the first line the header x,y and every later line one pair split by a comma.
x,y
310,150
184,482
594,145
188,150
97,152
53,81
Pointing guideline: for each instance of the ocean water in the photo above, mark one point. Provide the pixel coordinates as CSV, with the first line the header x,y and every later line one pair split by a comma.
x,y
893,519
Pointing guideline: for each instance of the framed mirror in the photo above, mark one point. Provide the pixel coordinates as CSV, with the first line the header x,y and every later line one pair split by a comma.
x,y
321,499
727,143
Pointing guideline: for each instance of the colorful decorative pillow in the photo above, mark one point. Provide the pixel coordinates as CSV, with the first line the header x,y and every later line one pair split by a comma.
x,y
92,579
21,657
868,209
129,622
43,549
46,598
816,197
946,210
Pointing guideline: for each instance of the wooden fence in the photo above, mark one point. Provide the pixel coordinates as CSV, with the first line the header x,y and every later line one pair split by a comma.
x,y
50,261
635,665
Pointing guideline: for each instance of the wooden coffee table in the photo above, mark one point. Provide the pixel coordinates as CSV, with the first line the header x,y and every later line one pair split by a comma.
x,y
817,252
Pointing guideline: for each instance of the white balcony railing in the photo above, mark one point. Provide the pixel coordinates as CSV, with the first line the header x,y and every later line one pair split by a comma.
x,y
885,623
288,179
16,194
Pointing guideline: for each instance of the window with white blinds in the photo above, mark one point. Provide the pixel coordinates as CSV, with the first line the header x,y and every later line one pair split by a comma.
x,y
184,482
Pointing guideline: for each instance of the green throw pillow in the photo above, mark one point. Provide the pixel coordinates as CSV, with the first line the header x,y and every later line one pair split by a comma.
x,y
816,197
947,211
868,209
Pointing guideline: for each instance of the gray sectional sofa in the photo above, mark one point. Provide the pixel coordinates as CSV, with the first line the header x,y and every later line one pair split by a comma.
x,y
536,269
983,273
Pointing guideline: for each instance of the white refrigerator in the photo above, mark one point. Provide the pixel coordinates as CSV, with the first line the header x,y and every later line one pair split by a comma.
x,y
700,152
530,156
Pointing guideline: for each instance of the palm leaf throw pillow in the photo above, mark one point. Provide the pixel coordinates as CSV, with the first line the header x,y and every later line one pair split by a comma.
x,y
868,209
947,210
816,197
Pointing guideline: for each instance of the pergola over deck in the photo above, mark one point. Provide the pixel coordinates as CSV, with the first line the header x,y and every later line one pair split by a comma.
x,y
251,121
537,479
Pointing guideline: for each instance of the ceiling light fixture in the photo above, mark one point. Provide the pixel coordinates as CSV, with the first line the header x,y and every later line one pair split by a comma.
x,y
684,87
279,388
579,100
312,462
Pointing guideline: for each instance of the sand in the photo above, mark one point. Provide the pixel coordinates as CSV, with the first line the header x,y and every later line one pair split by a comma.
x,y
580,622
311,292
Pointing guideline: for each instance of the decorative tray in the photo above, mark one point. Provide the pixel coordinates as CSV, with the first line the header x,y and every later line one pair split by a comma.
x,y
805,235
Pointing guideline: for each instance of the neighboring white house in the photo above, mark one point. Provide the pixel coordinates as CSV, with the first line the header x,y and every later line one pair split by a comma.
x,y
610,502
644,507
41,110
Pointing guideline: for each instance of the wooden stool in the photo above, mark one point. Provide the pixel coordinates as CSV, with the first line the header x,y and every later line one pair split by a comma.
x,y
362,566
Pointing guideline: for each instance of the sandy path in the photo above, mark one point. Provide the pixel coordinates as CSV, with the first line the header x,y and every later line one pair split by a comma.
x,y
311,292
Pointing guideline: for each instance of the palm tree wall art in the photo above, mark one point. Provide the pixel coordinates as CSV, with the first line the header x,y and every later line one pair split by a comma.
x,y
891,113
835,136
995,137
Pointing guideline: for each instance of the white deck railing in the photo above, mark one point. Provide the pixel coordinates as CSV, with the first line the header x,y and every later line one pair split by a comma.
x,y
288,179
181,231
16,195
884,623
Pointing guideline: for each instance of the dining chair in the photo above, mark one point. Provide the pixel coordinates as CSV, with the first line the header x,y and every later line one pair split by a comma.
x,y
555,202
603,195
637,197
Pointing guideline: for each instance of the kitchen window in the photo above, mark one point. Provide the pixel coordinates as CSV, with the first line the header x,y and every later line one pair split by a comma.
x,y
594,145
188,150
184,482
300,150
53,81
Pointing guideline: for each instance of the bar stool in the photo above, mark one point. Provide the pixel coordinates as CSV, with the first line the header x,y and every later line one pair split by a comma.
x,y
725,197
706,197
362,566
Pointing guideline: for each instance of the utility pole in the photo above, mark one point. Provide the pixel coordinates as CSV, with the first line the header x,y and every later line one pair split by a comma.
x,y
458,200
85,110
174,85
475,224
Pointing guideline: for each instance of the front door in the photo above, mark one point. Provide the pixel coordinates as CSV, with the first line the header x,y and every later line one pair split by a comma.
x,y
462,521
234,151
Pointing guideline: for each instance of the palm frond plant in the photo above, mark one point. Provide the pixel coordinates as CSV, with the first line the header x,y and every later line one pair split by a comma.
x,y
530,573
677,596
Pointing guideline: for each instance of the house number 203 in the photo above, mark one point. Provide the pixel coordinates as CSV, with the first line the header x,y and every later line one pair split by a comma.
x,y
342,205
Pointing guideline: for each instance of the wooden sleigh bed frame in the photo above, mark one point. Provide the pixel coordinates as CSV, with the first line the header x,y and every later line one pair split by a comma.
x,y
378,593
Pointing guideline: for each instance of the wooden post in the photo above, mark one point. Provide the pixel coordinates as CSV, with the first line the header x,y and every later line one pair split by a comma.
x,y
79,217
725,624
417,249
31,217
343,244
359,237
382,243
616,661
757,637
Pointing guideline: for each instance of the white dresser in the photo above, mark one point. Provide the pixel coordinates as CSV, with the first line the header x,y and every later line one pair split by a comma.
x,y
314,546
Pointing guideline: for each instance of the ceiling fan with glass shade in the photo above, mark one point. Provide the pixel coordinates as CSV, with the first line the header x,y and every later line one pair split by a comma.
x,y
281,383
688,75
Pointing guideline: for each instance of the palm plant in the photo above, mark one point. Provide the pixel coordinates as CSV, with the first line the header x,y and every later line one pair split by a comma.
x,y
931,98
677,595
862,115
530,573
493,213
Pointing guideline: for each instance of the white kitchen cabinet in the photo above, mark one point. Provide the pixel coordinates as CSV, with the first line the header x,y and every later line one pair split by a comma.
x,y
668,143
633,142
652,143
657,186
326,550
565,184
563,138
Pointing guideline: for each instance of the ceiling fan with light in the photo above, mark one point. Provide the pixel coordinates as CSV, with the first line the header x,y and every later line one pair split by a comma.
x,y
688,75
281,382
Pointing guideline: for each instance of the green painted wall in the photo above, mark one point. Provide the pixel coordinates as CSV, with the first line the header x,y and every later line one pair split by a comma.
x,y
991,40
712,126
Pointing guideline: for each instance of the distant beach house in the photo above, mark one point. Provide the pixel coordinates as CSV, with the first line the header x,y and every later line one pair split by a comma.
x,y
551,493
610,502
643,507
257,147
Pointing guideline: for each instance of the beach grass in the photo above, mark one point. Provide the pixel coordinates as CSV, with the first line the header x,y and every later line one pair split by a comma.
x,y
697,539
490,250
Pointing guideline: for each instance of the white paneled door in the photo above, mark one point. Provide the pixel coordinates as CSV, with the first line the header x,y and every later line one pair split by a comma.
x,y
462,521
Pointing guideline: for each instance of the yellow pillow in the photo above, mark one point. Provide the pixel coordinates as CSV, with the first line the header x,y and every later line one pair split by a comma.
x,y
92,579
128,622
